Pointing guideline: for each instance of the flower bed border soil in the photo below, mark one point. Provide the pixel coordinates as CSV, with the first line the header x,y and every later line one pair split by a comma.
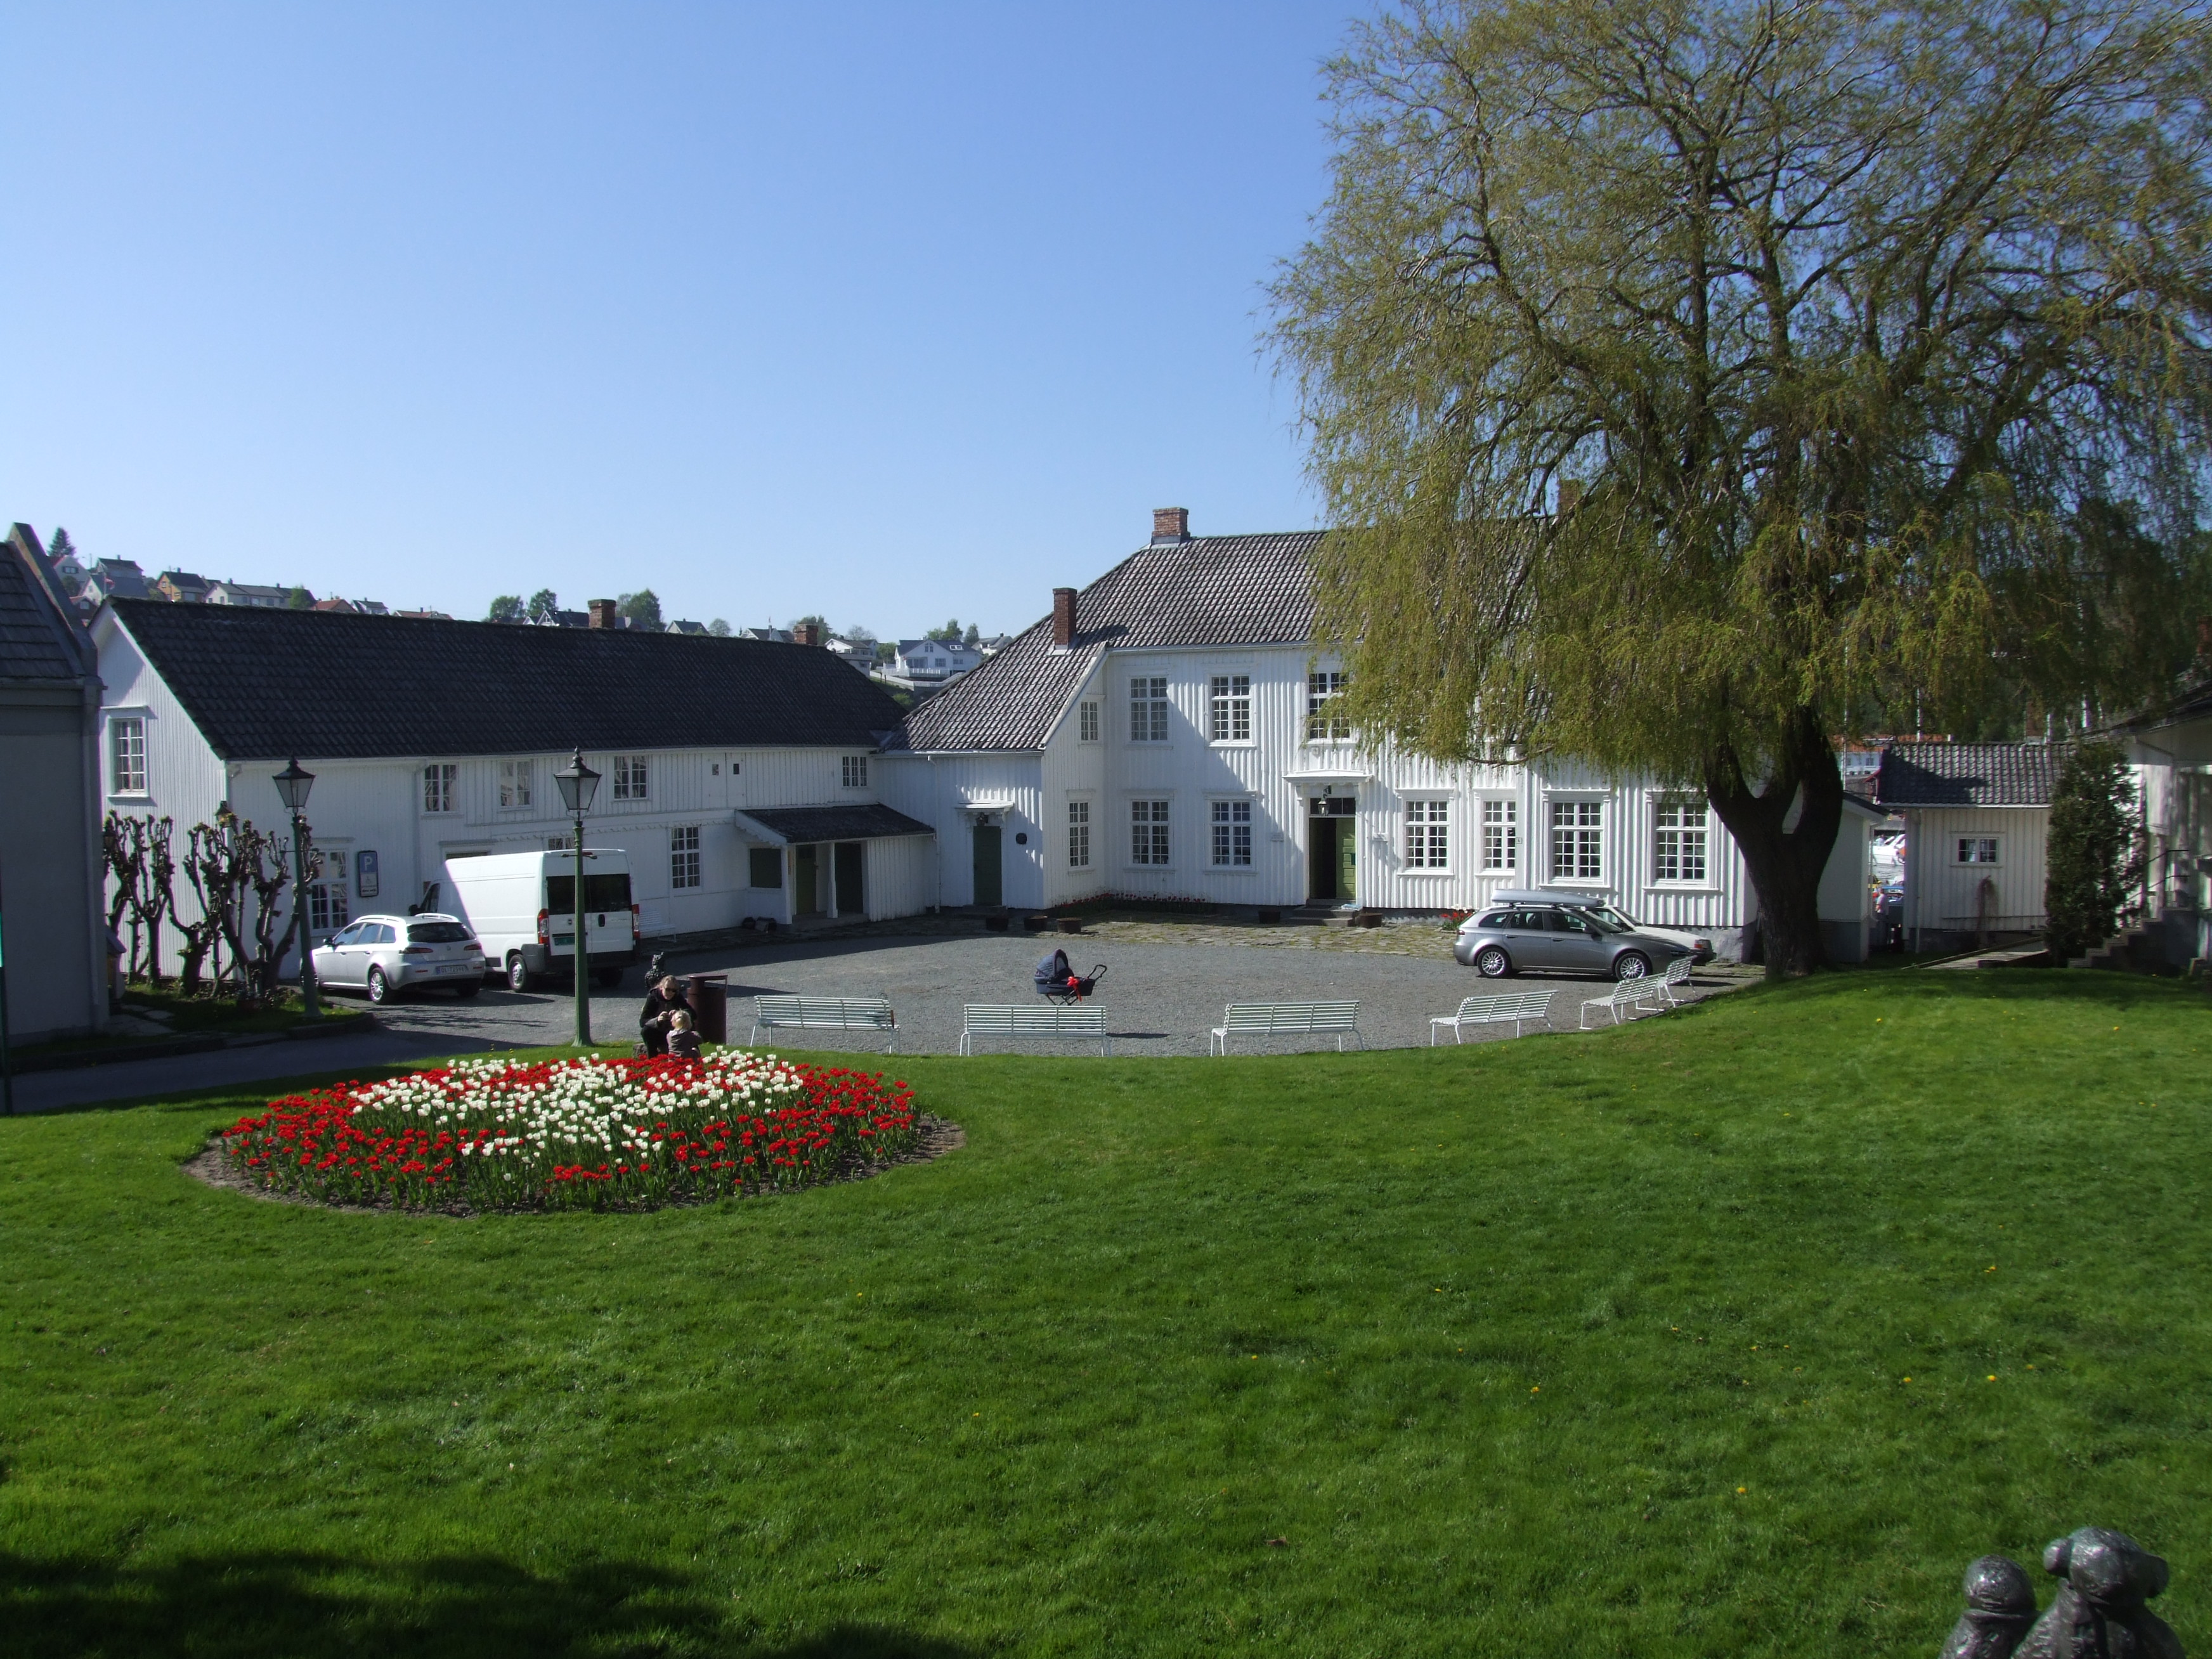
x,y
938,1137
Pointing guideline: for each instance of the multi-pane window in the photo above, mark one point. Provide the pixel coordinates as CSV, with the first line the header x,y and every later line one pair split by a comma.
x,y
1501,834
1325,720
1079,834
1577,841
1229,708
326,905
126,755
856,771
629,777
514,782
1148,708
1428,843
1086,720
559,843
1978,849
683,856
1233,834
1148,832
438,786
1678,850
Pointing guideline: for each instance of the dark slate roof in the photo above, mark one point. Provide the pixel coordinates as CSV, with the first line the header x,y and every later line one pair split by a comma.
x,y
798,824
1210,590
40,638
1967,774
264,685
2192,702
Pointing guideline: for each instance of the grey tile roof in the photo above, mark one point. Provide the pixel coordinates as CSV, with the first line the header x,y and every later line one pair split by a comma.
x,y
798,824
1210,589
264,685
1967,773
41,641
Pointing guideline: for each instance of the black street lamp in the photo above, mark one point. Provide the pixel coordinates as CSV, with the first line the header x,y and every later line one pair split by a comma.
x,y
292,786
579,783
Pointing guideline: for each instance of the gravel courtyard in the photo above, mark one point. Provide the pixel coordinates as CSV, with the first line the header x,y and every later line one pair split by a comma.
x,y
1164,988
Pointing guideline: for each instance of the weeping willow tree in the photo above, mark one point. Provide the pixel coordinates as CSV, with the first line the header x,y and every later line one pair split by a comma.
x,y
1683,380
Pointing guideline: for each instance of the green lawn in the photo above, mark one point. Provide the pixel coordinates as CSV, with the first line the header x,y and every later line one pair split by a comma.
x,y
1557,1346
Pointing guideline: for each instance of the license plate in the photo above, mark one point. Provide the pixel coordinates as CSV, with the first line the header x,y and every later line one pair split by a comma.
x,y
452,968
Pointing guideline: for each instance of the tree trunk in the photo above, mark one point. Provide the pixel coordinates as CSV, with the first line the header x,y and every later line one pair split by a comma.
x,y
1785,864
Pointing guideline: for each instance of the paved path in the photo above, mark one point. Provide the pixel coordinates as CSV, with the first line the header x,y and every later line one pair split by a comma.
x,y
1159,997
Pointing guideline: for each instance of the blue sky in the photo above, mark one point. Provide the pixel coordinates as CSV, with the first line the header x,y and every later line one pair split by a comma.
x,y
890,312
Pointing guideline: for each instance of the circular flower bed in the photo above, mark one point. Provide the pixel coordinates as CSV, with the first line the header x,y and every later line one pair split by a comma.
x,y
591,1133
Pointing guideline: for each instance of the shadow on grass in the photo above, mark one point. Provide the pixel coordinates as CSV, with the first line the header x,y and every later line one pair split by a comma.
x,y
472,1606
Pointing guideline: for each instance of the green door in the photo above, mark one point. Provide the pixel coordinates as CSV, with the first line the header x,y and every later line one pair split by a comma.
x,y
852,860
987,891
807,900
1347,871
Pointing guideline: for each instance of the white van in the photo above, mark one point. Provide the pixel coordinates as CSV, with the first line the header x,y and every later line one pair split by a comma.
x,y
522,908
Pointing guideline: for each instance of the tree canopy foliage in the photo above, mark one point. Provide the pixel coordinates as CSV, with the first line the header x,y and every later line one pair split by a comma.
x,y
506,608
643,608
2091,869
1689,380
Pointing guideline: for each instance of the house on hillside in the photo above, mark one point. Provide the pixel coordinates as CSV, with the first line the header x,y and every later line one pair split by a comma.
x,y
931,662
2172,748
179,587
433,741
115,579
1172,731
50,815
246,593
1976,818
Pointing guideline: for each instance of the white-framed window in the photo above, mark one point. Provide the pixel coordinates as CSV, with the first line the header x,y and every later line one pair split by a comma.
x,y
1428,835
1325,723
438,786
1501,834
1577,841
126,755
630,777
683,856
326,905
1229,708
1079,832
1148,832
1086,720
559,843
1233,835
1678,839
856,771
1979,849
1148,708
515,778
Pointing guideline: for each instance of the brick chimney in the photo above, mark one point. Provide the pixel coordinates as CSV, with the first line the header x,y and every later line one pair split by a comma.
x,y
1063,618
604,614
1171,524
807,634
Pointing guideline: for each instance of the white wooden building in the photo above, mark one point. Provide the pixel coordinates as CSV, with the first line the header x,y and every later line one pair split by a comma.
x,y
1170,732
2171,747
739,775
1977,820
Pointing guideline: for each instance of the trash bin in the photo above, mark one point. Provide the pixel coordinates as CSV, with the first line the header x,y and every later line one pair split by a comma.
x,y
708,999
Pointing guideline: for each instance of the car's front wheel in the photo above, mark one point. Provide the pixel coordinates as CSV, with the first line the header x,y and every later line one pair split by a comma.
x,y
1631,964
379,988
1492,963
519,976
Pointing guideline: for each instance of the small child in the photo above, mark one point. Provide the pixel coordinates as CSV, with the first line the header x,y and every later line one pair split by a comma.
x,y
683,1041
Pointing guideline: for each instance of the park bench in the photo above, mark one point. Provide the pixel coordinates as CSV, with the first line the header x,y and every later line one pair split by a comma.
x,y
1677,973
1339,1019
772,1013
1033,1021
1631,995
1512,1008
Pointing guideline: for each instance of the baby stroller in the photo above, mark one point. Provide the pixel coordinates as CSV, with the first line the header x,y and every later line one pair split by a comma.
x,y
1058,982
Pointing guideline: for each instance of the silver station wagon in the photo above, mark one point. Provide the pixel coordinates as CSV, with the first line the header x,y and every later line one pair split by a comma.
x,y
386,955
1546,938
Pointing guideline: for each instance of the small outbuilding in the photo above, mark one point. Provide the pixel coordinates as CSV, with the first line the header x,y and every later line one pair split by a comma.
x,y
1976,821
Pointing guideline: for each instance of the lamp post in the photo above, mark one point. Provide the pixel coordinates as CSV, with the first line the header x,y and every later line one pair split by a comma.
x,y
292,786
579,783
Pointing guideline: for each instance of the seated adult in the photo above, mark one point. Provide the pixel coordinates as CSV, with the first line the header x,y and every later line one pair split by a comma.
x,y
662,1001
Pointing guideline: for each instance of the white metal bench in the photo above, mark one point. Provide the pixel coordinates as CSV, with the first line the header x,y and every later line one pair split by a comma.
x,y
1512,1008
772,1013
1339,1019
1033,1020
1678,974
1631,995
